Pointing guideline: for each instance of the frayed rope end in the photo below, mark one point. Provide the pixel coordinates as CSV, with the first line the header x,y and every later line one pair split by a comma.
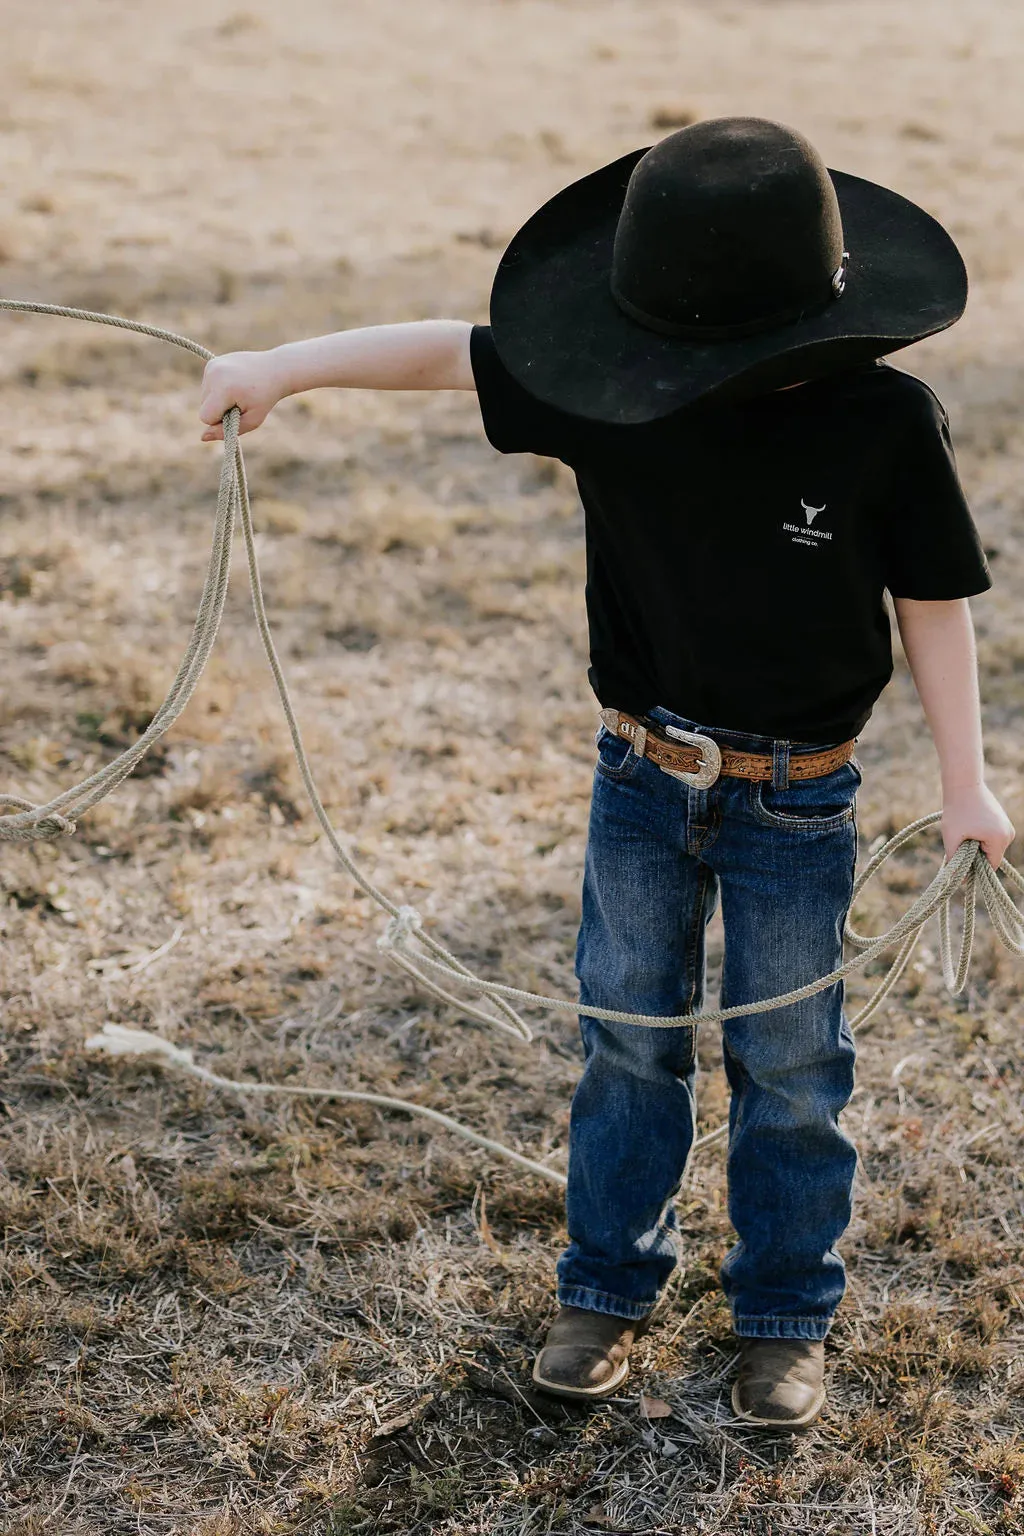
x,y
115,1040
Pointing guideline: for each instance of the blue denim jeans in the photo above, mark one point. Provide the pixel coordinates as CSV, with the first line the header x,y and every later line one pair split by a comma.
x,y
781,857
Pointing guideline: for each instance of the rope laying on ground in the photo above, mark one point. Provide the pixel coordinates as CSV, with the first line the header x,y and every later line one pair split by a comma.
x,y
405,942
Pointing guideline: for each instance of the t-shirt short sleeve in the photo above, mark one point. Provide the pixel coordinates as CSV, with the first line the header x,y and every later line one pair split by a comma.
x,y
514,421
932,548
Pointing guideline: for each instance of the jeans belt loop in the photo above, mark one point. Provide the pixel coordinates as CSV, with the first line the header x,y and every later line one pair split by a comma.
x,y
780,765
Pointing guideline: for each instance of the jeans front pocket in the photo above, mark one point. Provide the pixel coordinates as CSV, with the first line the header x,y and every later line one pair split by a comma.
x,y
615,757
809,805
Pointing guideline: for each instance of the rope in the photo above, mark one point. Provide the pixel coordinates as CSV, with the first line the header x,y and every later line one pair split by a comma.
x,y
57,818
115,1040
966,870
404,941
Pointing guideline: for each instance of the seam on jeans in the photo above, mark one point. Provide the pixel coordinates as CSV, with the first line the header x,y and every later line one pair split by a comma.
x,y
737,1094
698,927
707,834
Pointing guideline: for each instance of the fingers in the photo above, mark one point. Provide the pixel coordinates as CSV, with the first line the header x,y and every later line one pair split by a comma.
x,y
219,391
993,844
248,421
996,846
211,409
216,398
214,406
214,417
994,849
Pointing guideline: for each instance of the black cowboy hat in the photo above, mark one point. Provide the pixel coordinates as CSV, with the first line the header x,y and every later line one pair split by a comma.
x,y
725,260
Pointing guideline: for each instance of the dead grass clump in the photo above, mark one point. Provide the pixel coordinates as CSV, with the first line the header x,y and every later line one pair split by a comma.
x,y
984,1317
274,781
126,685
248,989
226,1203
388,519
97,1236
27,575
927,1407
210,785
17,1204
871,1433
932,1471
910,1341
119,729
969,1254
22,1337
1003,1465
212,1265
80,1427
237,23
919,1214
279,517
673,117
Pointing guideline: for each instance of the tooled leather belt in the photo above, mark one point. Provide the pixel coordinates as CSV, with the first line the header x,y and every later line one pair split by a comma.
x,y
698,760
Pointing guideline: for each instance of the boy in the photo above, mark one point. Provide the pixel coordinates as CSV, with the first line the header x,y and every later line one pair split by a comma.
x,y
696,330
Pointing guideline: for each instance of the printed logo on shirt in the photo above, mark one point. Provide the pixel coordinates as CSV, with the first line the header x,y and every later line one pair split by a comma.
x,y
806,534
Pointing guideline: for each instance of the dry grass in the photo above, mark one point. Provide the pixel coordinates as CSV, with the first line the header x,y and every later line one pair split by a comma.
x,y
228,1317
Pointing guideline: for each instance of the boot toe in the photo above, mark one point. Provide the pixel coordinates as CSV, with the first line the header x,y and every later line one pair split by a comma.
x,y
780,1383
783,1404
586,1354
584,1369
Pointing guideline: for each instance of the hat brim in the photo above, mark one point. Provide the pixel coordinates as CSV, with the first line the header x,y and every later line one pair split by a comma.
x,y
561,334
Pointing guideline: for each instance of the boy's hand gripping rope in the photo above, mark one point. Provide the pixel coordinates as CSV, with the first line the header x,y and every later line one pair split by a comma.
x,y
405,941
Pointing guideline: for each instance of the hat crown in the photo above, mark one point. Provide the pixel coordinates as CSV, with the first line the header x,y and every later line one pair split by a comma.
x,y
727,226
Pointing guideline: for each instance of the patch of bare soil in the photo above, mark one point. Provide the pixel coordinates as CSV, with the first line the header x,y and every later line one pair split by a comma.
x,y
227,1315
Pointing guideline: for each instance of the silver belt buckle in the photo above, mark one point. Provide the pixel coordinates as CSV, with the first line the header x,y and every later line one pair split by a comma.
x,y
711,758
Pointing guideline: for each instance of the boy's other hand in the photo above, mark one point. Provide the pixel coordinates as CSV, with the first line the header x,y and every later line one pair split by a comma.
x,y
254,381
976,813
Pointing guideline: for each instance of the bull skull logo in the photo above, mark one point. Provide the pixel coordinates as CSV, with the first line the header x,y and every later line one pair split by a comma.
x,y
811,512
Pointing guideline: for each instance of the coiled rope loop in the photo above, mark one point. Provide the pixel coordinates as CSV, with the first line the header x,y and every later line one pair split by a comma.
x,y
405,942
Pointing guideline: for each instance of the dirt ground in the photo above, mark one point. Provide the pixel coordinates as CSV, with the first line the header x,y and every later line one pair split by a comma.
x,y
226,1315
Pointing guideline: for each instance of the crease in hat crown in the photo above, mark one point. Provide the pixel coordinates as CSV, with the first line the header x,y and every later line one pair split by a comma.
x,y
728,228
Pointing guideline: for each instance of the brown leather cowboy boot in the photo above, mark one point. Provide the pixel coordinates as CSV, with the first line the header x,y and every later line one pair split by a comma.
x,y
586,1354
780,1383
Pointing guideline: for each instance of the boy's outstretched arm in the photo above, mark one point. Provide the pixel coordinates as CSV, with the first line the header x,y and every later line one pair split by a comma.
x,y
938,638
420,354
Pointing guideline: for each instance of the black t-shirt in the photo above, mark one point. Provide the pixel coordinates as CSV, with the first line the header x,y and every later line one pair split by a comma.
x,y
737,554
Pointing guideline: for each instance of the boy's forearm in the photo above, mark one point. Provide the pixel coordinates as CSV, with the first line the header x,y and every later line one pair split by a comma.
x,y
421,354
938,638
